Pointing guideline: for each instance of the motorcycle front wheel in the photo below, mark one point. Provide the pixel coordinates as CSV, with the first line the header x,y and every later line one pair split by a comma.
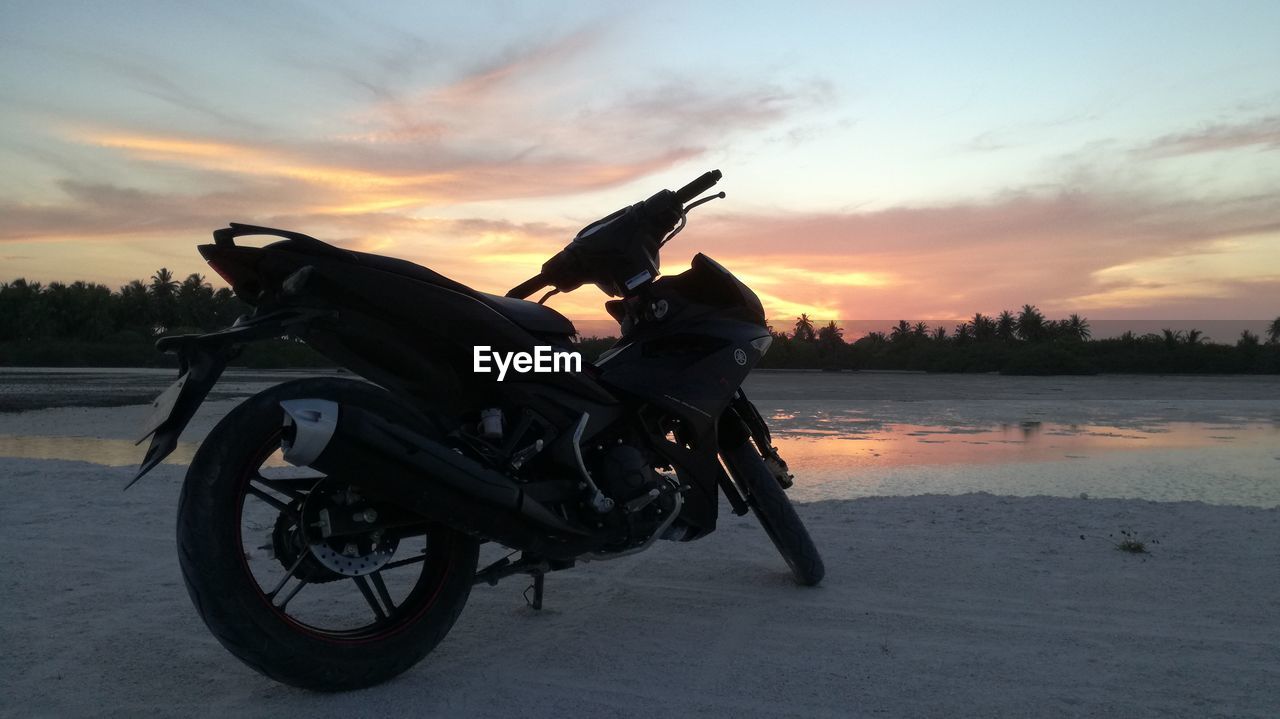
x,y
325,613
773,509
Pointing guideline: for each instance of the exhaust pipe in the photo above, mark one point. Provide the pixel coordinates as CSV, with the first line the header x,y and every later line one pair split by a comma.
x,y
313,422
426,476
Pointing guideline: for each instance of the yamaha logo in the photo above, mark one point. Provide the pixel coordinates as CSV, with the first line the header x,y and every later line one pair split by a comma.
x,y
740,356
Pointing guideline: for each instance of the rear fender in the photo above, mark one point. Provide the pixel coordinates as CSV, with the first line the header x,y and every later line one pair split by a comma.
x,y
201,359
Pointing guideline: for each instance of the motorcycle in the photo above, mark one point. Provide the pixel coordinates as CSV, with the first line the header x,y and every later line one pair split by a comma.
x,y
329,529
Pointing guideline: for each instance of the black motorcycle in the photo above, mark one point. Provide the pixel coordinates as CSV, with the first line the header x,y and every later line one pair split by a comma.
x,y
329,529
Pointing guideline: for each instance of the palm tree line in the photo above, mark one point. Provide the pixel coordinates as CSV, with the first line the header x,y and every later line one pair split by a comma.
x,y
93,312
38,321
1024,341
1029,325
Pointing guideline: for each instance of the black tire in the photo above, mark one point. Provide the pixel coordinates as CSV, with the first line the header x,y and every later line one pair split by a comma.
x,y
771,506
213,553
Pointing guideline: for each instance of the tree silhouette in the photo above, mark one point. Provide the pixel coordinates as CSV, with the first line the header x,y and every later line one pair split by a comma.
x,y
227,308
162,283
79,309
133,309
1031,324
195,302
1078,328
81,323
830,334
831,346
22,311
164,291
804,329
1006,326
136,312
984,328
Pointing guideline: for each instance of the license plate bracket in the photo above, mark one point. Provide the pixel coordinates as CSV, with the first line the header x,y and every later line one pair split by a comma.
x,y
162,407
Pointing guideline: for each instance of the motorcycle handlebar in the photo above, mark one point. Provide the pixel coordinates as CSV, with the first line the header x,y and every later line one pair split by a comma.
x,y
698,186
566,270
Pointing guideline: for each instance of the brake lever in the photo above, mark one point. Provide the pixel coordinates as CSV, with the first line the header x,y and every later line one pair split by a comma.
x,y
684,212
703,201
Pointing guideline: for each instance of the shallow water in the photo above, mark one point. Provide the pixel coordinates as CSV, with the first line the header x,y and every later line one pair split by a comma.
x,y
894,444
1212,462
106,452
1178,438
1176,461
27,388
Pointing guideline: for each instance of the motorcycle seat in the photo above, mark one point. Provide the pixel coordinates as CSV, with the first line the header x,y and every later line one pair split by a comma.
x,y
530,316
533,317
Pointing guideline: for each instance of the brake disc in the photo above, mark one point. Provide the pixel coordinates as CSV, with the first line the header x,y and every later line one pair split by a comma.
x,y
348,554
352,561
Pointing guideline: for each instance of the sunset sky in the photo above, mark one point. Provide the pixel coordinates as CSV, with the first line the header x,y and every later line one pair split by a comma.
x,y
881,159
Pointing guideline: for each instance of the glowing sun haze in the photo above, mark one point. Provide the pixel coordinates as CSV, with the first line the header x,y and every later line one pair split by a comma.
x,y
882,160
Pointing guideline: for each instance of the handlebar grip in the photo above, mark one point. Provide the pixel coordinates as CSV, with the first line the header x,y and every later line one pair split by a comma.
x,y
698,186
528,287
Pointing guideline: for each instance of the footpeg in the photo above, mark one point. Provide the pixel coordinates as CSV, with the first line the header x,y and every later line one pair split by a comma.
x,y
523,455
643,500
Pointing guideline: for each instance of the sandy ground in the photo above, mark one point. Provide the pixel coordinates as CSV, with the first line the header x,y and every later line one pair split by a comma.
x,y
975,605
970,605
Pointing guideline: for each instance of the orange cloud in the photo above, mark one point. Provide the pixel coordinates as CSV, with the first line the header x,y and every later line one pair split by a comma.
x,y
1129,254
361,178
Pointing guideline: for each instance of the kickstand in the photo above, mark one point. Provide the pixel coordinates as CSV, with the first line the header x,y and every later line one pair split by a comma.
x,y
536,588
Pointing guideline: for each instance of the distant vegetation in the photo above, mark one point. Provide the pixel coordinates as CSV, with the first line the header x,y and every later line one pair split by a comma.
x,y
1023,343
84,324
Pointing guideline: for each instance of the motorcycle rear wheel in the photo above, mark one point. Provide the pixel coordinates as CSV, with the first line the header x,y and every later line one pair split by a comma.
x,y
366,624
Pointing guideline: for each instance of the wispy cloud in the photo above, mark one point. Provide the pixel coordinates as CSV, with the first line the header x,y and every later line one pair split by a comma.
x,y
376,177
383,169
1053,248
149,78
502,130
1262,133
1068,250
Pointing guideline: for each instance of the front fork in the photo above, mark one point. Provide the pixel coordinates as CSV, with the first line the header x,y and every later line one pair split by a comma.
x,y
742,422
764,441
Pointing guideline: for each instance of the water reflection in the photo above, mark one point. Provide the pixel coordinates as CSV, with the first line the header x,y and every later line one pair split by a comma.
x,y
835,458
106,452
859,443
848,454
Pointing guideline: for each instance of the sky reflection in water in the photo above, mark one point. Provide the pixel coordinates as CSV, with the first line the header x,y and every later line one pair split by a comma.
x,y
842,455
